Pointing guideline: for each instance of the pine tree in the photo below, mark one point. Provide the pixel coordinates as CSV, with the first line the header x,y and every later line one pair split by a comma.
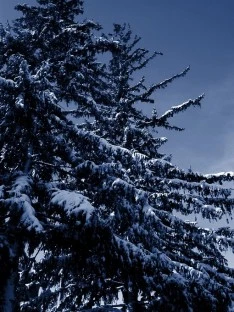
x,y
35,79
88,203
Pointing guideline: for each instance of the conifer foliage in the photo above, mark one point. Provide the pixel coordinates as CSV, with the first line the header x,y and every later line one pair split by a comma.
x,y
88,203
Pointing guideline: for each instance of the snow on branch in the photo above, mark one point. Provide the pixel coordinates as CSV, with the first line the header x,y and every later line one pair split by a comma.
x,y
211,212
179,108
72,203
19,198
7,83
89,168
82,27
201,186
220,176
164,83
126,188
103,44
145,97
155,121
97,143
132,254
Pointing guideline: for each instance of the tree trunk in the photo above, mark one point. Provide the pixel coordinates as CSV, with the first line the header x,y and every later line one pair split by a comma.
x,y
9,303
131,301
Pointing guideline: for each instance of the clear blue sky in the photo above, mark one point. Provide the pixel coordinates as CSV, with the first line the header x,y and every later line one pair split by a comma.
x,y
197,33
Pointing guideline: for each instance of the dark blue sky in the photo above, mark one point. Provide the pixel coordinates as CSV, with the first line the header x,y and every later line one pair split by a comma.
x,y
197,33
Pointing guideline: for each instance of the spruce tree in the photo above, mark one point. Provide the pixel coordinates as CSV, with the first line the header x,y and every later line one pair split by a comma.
x,y
88,203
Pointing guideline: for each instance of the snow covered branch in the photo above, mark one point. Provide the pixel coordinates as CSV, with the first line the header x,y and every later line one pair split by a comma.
x,y
19,203
179,108
73,204
7,83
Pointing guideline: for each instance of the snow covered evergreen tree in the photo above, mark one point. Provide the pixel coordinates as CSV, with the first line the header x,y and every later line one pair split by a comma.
x,y
88,203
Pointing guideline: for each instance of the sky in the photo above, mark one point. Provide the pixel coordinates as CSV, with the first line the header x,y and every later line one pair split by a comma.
x,y
197,33
200,34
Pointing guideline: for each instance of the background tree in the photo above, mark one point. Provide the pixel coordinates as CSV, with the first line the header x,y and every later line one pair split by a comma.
x,y
88,209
